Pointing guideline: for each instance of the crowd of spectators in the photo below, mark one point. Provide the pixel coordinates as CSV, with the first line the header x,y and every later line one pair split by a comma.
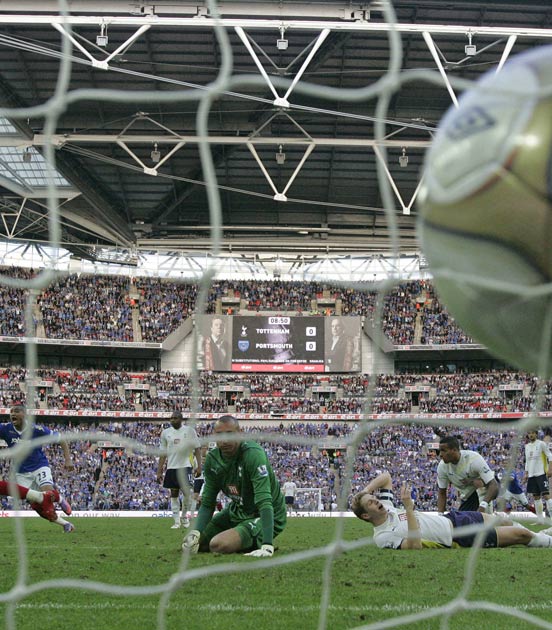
x,y
438,327
103,308
277,405
96,307
12,303
87,307
123,477
477,392
276,295
163,305
399,318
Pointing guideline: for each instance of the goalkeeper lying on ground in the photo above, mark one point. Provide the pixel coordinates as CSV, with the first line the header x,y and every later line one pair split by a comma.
x,y
257,511
409,529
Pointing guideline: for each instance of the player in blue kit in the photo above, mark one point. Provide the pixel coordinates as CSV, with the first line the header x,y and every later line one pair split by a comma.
x,y
41,502
34,470
514,491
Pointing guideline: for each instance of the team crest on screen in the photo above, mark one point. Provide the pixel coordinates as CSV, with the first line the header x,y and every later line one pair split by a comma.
x,y
243,345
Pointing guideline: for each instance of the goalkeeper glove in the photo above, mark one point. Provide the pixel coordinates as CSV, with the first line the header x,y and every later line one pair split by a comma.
x,y
191,542
266,551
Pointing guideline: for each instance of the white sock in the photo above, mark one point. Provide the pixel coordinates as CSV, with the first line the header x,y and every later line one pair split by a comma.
x,y
540,540
539,508
549,506
60,521
175,507
34,496
193,508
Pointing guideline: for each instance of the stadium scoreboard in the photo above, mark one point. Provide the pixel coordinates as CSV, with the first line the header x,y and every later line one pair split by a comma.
x,y
278,343
281,343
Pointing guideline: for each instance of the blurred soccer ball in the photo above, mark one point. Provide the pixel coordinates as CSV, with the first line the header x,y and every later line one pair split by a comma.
x,y
486,210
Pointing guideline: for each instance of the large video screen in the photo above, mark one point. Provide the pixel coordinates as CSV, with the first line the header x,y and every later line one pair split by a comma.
x,y
276,343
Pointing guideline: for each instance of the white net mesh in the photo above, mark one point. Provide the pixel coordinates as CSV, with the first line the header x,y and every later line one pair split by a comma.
x,y
227,81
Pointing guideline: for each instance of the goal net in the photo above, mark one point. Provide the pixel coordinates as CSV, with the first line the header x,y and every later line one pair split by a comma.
x,y
308,500
81,53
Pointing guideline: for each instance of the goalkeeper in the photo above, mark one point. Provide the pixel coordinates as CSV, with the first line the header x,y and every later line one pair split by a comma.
x,y
257,512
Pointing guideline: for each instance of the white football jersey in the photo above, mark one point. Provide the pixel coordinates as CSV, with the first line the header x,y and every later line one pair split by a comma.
x,y
434,528
290,487
178,444
537,457
461,475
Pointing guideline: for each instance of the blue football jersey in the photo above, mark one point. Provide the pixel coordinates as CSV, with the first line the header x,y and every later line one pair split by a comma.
x,y
514,485
36,458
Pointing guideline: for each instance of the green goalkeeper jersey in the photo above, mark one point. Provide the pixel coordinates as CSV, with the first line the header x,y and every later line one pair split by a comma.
x,y
247,479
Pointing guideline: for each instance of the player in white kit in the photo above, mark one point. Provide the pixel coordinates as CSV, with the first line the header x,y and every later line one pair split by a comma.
x,y
410,529
181,447
538,467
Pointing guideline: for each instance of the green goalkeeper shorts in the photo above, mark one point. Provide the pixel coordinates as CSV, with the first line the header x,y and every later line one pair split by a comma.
x,y
250,530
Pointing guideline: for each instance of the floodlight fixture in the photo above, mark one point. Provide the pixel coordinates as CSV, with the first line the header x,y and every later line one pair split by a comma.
x,y
280,156
155,154
102,39
403,159
282,43
470,49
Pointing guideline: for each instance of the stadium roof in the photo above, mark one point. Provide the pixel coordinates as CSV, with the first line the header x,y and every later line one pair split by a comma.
x,y
296,165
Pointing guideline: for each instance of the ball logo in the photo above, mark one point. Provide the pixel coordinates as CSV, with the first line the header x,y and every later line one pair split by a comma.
x,y
465,124
243,345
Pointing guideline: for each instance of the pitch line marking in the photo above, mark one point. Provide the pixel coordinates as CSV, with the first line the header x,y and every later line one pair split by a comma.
x,y
398,608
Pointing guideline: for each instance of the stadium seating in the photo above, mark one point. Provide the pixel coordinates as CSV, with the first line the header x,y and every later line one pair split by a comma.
x,y
101,478
119,308
499,391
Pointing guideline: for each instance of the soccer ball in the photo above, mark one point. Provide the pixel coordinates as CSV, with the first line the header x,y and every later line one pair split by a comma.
x,y
485,211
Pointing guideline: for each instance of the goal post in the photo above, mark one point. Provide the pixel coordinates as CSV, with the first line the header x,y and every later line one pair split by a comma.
x,y
308,500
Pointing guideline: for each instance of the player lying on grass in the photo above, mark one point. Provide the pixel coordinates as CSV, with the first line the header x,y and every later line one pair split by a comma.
x,y
257,512
410,529
41,502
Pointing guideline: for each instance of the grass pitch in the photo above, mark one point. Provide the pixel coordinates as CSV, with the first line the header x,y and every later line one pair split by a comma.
x,y
368,585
